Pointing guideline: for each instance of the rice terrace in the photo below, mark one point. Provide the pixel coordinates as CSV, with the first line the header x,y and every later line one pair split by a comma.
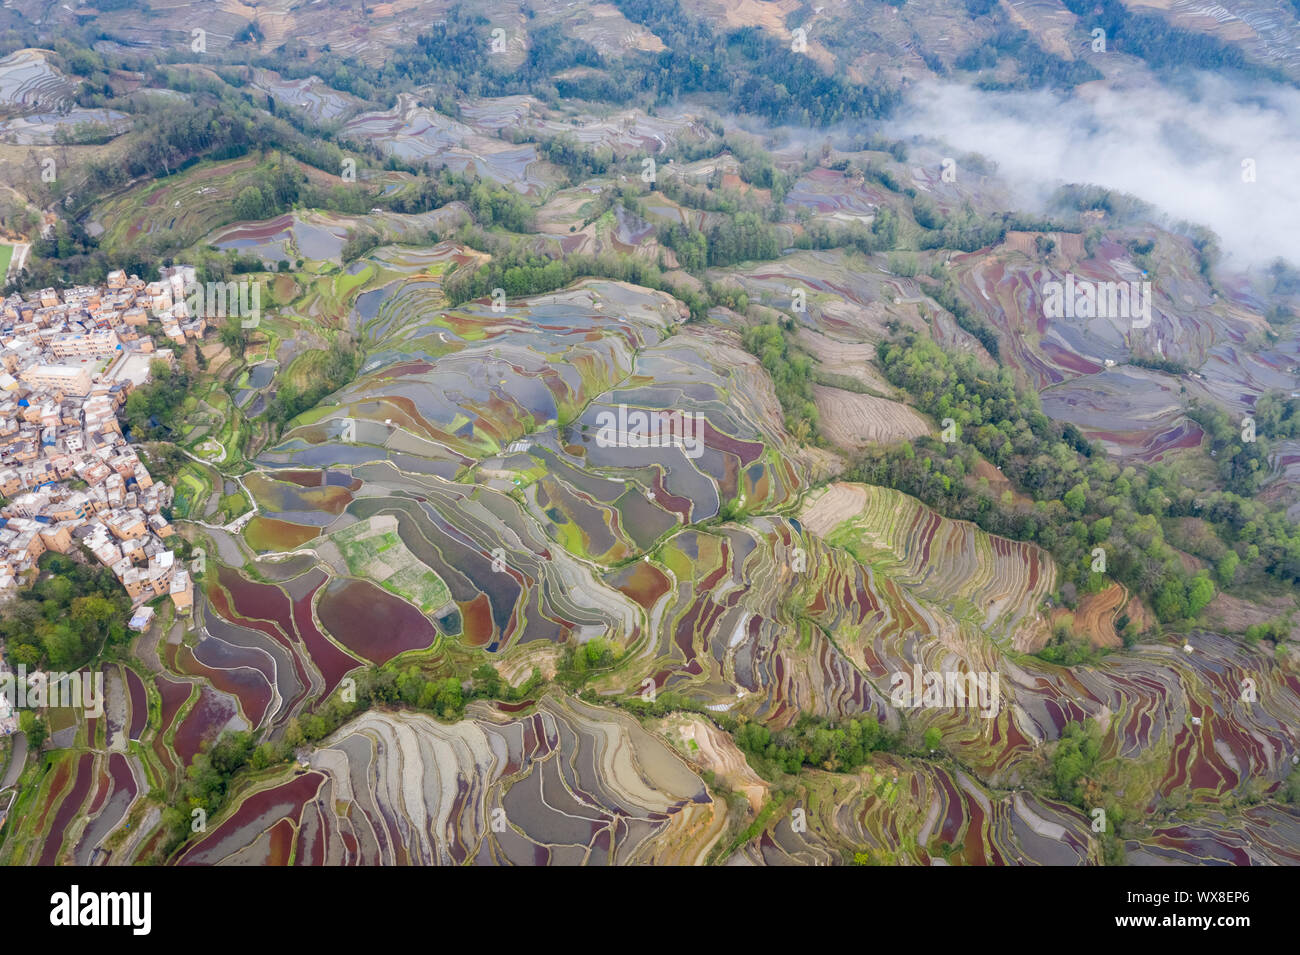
x,y
718,434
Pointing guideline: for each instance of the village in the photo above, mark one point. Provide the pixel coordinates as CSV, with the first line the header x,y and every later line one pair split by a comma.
x,y
68,477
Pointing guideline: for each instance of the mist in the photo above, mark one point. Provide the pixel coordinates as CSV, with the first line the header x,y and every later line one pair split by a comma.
x,y
1179,149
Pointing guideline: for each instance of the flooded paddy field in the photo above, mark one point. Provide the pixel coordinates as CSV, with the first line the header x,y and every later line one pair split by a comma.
x,y
372,623
411,131
29,81
576,785
42,129
481,494
311,95
832,194
1131,411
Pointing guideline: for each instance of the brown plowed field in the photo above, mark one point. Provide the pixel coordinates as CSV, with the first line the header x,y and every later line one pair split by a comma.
x,y
852,420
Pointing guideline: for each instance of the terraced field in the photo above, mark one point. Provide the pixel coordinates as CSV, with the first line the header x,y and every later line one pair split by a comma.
x,y
852,420
44,129
904,813
831,195
547,579
459,502
1130,411
320,237
981,616
191,203
411,131
1000,581
738,649
29,81
88,800
846,298
566,785
311,95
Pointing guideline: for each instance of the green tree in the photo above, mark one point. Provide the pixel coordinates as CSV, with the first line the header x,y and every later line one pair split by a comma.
x,y
1171,601
1226,570
33,728
250,204
1200,591
1100,530
1074,761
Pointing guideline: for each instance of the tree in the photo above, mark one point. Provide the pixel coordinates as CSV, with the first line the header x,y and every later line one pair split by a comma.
x,y
250,204
152,410
1200,591
1226,570
1171,602
33,727
1075,759
233,336
26,654
1100,530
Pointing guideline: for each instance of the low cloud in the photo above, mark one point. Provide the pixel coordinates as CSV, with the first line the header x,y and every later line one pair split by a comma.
x,y
1179,149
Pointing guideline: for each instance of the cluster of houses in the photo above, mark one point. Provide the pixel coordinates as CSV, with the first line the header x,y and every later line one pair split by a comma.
x,y
68,477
